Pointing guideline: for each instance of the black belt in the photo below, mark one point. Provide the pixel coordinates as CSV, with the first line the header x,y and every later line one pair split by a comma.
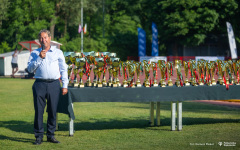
x,y
46,80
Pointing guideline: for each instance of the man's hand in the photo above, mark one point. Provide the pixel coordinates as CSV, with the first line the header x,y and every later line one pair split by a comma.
x,y
64,91
21,50
42,54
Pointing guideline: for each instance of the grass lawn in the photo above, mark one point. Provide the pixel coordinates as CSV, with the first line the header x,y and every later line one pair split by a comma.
x,y
101,126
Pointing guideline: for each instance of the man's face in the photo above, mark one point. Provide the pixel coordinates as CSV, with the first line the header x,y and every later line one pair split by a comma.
x,y
45,39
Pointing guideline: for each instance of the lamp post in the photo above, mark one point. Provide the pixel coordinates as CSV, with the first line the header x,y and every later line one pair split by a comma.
x,y
82,26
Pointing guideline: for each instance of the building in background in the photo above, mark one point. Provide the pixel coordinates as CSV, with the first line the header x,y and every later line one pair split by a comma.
x,y
5,58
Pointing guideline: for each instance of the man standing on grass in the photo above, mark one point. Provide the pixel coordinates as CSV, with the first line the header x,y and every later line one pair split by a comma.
x,y
14,61
48,63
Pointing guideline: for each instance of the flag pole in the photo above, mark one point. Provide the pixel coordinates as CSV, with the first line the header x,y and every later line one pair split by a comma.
x,y
82,25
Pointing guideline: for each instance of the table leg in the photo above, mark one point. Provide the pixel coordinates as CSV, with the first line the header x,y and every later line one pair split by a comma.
x,y
179,116
173,116
158,114
71,126
151,122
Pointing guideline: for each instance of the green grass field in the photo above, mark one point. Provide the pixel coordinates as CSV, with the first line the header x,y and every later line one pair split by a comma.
x,y
111,126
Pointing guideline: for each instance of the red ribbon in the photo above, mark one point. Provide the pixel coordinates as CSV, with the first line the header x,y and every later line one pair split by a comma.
x,y
131,83
180,81
166,74
125,70
156,71
217,69
105,64
237,77
196,76
224,80
208,78
150,81
189,71
119,73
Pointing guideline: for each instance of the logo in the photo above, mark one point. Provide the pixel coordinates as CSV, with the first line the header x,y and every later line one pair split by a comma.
x,y
220,143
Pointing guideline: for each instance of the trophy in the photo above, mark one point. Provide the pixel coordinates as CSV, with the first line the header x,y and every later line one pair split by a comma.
x,y
78,54
111,55
194,72
125,76
147,67
105,56
185,65
109,83
191,71
131,71
128,66
80,63
204,70
178,65
138,70
236,71
200,71
110,80
163,69
227,70
73,60
68,61
222,72
231,72
88,67
170,72
115,62
209,73
99,63
219,65
154,69
213,66
95,69
67,56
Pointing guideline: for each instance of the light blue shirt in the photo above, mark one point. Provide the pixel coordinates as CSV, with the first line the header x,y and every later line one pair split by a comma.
x,y
49,68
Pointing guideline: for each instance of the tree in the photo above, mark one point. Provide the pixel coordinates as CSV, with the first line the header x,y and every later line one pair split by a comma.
x,y
4,4
188,22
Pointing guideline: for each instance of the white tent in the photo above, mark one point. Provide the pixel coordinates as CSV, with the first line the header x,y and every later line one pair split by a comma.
x,y
5,63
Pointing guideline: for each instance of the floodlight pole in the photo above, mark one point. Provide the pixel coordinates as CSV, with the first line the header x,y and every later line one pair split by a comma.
x,y
103,17
82,26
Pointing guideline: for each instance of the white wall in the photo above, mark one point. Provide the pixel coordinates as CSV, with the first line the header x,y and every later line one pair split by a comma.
x,y
22,63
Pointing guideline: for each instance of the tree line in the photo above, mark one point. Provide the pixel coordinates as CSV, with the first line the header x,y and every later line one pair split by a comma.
x,y
112,24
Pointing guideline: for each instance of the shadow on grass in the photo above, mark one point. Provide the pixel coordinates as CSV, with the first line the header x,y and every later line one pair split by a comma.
x,y
96,124
16,139
191,106
105,124
18,126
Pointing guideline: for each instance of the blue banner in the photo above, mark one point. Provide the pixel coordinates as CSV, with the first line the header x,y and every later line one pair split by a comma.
x,y
154,40
141,42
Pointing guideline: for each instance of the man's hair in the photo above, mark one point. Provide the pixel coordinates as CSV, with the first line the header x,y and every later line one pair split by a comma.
x,y
45,31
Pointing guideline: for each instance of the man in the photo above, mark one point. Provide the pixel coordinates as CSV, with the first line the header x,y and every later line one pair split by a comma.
x,y
14,61
48,63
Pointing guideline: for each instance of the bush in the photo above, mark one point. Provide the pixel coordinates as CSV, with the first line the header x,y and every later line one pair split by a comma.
x,y
4,47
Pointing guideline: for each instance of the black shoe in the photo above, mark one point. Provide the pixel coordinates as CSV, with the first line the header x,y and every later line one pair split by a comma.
x,y
38,141
52,140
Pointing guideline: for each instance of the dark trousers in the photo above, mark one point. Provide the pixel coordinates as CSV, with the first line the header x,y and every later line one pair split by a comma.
x,y
42,91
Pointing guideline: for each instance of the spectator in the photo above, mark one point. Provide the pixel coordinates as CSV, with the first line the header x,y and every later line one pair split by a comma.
x,y
14,61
